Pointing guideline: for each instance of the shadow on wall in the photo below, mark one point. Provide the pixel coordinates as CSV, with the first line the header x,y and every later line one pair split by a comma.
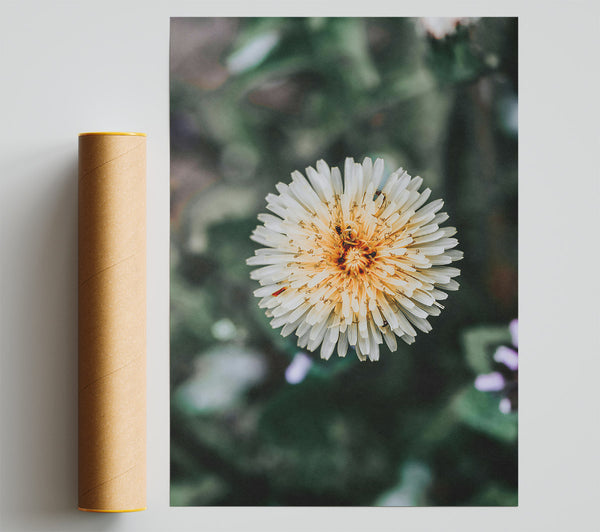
x,y
38,372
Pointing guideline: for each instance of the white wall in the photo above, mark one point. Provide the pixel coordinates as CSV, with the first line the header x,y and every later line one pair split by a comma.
x,y
68,67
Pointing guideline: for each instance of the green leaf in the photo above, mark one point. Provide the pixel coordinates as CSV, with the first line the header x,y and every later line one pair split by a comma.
x,y
455,59
321,447
480,411
411,490
479,344
495,495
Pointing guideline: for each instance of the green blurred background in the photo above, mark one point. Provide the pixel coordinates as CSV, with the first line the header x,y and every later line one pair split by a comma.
x,y
254,99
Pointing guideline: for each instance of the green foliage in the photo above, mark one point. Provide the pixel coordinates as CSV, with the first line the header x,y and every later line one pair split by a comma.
x,y
495,495
480,343
480,411
415,479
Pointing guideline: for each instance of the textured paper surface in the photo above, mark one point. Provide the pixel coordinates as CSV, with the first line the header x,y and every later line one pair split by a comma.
x,y
112,322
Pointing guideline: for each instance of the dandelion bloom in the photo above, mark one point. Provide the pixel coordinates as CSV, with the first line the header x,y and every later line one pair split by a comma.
x,y
350,263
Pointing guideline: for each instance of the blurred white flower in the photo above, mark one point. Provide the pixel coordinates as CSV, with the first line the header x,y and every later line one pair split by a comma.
x,y
298,368
440,27
224,330
345,263
221,377
253,53
505,405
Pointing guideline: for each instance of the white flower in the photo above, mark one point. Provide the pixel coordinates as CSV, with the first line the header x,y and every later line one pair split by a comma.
x,y
440,27
348,263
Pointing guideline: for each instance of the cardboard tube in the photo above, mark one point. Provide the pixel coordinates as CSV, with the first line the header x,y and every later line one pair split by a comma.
x,y
112,322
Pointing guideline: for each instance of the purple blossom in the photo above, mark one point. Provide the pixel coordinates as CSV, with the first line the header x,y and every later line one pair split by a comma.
x,y
298,368
505,380
507,356
490,382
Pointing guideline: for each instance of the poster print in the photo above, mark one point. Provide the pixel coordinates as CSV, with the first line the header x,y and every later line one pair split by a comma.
x,y
344,261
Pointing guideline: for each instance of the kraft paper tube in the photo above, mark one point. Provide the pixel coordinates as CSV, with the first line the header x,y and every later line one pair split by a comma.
x,y
112,322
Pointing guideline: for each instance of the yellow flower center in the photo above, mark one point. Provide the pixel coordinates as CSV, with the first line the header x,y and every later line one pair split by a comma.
x,y
352,254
